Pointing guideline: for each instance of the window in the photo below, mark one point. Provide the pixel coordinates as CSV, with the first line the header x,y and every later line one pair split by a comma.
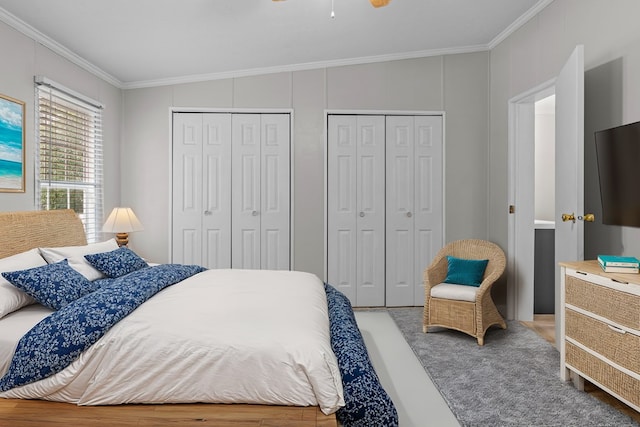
x,y
69,159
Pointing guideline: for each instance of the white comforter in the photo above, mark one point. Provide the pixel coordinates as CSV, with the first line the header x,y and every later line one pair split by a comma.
x,y
221,336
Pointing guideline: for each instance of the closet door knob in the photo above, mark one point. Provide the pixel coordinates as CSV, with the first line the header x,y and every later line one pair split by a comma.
x,y
409,214
254,213
207,213
361,214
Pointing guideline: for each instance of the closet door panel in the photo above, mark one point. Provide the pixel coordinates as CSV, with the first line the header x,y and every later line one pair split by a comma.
x,y
426,248
400,210
341,204
371,210
275,192
429,221
247,246
245,180
216,220
187,188
190,249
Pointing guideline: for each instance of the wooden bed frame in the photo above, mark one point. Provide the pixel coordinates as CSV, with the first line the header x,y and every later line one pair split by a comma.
x,y
21,231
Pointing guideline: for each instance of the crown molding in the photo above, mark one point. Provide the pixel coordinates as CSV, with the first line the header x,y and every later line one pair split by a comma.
x,y
61,50
26,29
301,67
515,25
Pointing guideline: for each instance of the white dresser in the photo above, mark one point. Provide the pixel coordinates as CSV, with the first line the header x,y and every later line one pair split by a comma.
x,y
600,330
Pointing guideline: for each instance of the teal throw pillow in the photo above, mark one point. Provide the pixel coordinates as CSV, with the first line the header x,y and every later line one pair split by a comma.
x,y
465,271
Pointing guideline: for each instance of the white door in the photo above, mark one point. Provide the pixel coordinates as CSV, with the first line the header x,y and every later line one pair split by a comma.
x,y
355,207
187,189
201,191
400,190
370,205
216,191
341,204
414,220
428,196
245,179
569,239
275,192
260,197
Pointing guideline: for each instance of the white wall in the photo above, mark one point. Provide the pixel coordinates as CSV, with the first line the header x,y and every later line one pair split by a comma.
x,y
24,58
533,55
456,84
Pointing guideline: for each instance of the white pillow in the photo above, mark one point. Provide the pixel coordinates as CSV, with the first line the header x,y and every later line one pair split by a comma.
x,y
12,298
75,256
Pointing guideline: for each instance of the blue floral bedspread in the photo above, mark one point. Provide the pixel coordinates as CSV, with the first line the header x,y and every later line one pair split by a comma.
x,y
58,339
367,404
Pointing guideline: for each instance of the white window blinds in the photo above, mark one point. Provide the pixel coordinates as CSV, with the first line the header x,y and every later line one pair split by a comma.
x,y
69,158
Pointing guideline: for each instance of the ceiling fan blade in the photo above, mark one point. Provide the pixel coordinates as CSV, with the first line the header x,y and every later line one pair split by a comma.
x,y
379,3
374,3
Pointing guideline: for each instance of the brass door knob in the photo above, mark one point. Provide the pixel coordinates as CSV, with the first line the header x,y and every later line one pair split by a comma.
x,y
587,218
571,217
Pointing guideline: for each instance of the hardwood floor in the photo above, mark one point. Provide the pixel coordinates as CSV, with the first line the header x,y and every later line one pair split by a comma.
x,y
36,413
544,325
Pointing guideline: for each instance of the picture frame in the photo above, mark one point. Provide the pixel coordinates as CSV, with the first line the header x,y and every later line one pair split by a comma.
x,y
12,145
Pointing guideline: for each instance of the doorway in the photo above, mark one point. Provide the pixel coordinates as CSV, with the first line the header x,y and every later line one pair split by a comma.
x,y
568,87
544,206
523,152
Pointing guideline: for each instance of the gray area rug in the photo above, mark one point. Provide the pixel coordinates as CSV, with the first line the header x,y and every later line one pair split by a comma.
x,y
513,380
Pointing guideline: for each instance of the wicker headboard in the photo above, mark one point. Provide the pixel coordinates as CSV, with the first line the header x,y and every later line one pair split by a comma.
x,y
21,231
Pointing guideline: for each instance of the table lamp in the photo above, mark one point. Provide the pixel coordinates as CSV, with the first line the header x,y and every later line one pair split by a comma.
x,y
122,221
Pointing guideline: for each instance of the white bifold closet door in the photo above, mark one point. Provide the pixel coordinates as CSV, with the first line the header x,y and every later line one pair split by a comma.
x,y
260,194
231,190
384,205
413,204
355,204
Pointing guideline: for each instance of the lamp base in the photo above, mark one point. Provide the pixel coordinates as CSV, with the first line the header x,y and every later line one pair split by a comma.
x,y
122,239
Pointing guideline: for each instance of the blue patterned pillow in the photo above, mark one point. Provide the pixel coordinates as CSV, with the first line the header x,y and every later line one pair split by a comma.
x,y
52,285
117,263
465,271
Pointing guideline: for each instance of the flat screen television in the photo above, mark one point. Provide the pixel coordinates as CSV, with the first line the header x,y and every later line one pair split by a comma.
x,y
618,156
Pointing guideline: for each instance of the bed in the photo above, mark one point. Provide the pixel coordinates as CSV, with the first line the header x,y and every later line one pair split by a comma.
x,y
172,333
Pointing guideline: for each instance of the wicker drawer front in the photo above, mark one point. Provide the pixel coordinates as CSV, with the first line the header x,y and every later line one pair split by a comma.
x,y
609,377
623,349
620,307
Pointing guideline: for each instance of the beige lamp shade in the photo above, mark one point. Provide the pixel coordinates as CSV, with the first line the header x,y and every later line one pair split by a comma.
x,y
122,221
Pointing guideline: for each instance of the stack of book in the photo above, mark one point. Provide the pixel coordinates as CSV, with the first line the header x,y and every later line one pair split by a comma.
x,y
619,264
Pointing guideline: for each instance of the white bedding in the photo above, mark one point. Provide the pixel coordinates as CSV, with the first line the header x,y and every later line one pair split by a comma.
x,y
221,336
14,326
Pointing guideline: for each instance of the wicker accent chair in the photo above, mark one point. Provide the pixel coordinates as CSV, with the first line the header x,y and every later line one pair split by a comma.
x,y
470,316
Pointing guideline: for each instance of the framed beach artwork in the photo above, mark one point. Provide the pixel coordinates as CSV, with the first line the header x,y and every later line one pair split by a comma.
x,y
11,145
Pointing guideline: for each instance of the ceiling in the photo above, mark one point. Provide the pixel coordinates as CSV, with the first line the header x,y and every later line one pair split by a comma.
x,y
138,43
